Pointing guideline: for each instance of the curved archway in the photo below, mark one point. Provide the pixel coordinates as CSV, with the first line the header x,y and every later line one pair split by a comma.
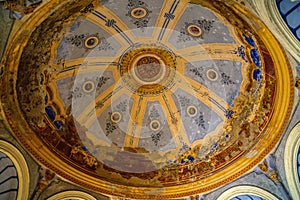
x,y
21,167
290,161
74,195
269,13
246,190
8,178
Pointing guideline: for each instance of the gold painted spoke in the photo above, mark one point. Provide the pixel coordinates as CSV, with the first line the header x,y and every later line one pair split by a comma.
x,y
181,65
136,121
206,96
88,61
95,108
82,65
112,24
52,86
174,120
210,51
168,17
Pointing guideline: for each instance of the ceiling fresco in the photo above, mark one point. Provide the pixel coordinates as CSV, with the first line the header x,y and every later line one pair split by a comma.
x,y
144,98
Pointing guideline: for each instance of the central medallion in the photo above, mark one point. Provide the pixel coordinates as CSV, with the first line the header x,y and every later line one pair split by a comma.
x,y
148,69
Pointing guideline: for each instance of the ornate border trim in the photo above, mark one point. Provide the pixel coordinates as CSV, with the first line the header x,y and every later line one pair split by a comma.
x,y
244,190
290,161
76,195
21,165
269,13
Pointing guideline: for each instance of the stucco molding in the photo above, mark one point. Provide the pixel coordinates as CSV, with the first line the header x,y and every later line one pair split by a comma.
x,y
246,190
269,13
290,161
22,168
76,195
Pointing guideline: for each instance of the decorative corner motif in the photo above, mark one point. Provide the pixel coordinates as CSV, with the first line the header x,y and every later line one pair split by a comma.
x,y
77,40
153,115
102,81
226,79
268,168
45,179
110,125
198,71
183,101
200,122
104,45
122,106
76,93
90,41
156,137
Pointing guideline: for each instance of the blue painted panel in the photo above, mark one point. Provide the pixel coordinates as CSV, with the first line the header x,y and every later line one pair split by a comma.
x,y
293,19
58,124
290,13
298,164
50,112
286,5
255,57
257,75
250,40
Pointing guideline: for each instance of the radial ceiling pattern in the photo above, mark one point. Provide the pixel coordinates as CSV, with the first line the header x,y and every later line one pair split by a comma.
x,y
160,94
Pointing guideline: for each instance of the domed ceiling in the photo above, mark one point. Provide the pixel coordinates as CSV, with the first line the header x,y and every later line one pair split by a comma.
x,y
147,99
